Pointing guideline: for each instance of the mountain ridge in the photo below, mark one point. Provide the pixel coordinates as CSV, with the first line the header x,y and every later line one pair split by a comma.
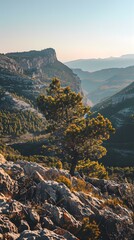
x,y
95,64
119,108
106,82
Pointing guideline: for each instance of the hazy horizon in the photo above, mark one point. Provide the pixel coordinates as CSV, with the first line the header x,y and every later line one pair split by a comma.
x,y
75,29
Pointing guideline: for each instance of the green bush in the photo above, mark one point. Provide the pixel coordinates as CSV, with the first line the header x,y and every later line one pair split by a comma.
x,y
89,230
92,169
80,185
58,164
64,180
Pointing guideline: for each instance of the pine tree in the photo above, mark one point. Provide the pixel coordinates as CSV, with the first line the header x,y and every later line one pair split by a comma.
x,y
77,135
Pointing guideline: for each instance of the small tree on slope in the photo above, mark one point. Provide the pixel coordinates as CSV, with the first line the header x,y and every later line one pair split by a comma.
x,y
76,137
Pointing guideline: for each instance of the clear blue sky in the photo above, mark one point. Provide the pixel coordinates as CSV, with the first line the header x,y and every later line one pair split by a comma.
x,y
75,28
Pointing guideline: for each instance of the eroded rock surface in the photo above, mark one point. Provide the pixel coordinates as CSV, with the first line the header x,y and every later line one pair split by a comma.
x,y
33,205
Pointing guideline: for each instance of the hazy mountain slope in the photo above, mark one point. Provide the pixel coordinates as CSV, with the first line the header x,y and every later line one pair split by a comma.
x,y
94,64
105,83
119,109
91,80
113,84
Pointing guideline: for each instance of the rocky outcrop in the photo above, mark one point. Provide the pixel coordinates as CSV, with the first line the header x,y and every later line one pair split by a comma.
x,y
34,59
2,159
7,185
39,207
10,64
46,235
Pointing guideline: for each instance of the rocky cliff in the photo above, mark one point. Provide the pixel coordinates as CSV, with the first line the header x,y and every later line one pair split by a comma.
x,y
44,65
39,203
27,74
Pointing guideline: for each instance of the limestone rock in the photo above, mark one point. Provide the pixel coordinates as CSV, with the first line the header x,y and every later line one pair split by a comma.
x,y
23,226
46,222
115,226
14,170
44,234
32,217
31,169
10,236
55,192
6,225
60,217
2,159
7,185
46,209
67,235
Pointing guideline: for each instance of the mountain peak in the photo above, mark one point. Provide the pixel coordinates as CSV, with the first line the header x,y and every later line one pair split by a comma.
x,y
45,53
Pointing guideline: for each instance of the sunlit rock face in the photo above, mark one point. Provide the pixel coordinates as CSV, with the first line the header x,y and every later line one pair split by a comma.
x,y
44,65
33,205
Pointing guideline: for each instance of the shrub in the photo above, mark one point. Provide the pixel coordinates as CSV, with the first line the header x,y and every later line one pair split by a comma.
x,y
58,164
92,169
113,202
89,230
80,185
65,180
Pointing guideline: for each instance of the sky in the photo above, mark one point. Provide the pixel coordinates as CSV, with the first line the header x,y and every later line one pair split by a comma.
x,y
76,29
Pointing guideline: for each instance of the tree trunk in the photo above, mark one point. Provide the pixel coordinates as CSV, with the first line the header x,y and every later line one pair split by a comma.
x,y
72,169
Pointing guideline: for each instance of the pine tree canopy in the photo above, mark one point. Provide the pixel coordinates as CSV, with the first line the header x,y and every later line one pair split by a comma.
x,y
76,137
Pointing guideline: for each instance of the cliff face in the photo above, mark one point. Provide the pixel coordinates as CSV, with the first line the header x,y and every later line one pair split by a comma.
x,y
44,65
35,205
9,64
28,74
34,60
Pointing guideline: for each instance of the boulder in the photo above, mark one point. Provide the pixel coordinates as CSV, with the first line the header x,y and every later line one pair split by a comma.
x,y
10,206
67,235
105,185
44,234
6,225
23,226
114,226
46,222
10,236
7,185
32,217
60,217
46,173
14,170
58,193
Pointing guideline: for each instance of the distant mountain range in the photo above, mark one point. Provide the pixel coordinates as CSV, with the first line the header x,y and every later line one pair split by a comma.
x,y
102,84
96,64
120,110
